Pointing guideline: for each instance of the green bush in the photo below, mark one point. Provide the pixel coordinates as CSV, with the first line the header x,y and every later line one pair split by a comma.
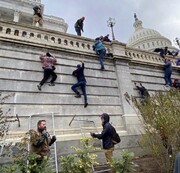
x,y
81,161
124,165
160,116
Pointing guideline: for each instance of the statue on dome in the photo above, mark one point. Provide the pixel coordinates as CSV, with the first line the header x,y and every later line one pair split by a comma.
x,y
38,15
135,17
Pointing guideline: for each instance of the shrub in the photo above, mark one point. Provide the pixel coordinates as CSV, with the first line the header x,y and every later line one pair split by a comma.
x,y
160,116
81,161
124,165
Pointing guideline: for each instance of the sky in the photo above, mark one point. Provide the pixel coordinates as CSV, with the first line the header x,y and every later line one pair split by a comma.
x,y
160,15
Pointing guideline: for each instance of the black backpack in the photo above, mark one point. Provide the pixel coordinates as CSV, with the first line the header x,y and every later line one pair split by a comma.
x,y
115,137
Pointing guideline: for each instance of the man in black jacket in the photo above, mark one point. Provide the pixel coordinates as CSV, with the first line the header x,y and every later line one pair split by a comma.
x,y
106,136
79,73
79,26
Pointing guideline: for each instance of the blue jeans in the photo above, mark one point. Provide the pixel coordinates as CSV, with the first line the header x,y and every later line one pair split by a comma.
x,y
102,53
78,30
81,84
167,77
177,164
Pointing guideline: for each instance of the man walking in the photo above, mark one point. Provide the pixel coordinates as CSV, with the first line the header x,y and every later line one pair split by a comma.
x,y
81,82
37,17
40,140
48,62
79,26
100,49
106,136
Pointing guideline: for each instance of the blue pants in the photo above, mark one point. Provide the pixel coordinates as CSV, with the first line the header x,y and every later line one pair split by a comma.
x,y
102,53
177,164
167,77
78,31
81,84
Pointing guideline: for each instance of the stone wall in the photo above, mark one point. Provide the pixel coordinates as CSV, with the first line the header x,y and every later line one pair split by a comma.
x,y
20,72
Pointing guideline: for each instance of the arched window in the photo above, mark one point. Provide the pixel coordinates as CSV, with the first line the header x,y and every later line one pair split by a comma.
x,y
8,31
83,45
46,38
39,36
53,39
77,44
31,35
65,42
59,41
24,33
71,43
16,32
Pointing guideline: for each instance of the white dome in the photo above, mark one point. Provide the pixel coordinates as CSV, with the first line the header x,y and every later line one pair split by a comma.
x,y
147,39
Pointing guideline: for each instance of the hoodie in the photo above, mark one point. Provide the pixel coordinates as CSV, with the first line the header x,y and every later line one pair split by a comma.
x,y
107,133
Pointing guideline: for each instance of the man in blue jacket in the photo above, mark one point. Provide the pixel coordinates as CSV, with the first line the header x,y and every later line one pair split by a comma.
x,y
79,73
168,72
106,136
100,49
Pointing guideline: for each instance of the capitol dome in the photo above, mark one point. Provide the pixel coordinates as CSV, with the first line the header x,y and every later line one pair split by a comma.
x,y
147,39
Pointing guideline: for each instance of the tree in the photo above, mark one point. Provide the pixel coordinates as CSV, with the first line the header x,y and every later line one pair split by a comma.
x,y
160,116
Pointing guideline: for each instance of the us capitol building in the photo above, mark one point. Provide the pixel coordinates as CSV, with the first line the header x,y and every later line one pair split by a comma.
x,y
20,72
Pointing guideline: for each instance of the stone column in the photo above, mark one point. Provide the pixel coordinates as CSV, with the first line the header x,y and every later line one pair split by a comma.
x,y
122,65
16,16
132,121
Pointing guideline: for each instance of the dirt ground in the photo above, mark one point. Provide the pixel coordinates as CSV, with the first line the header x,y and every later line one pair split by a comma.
x,y
146,164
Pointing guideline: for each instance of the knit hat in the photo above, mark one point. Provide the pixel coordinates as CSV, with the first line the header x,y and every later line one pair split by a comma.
x,y
48,54
78,66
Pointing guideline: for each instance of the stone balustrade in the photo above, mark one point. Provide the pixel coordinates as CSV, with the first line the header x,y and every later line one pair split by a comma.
x,y
41,36
75,43
146,57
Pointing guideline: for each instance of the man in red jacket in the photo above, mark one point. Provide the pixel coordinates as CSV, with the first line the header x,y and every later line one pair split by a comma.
x,y
48,62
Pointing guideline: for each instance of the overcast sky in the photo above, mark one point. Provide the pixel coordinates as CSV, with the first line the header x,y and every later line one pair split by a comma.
x,y
163,16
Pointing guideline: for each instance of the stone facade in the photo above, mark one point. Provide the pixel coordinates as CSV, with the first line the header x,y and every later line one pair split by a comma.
x,y
21,11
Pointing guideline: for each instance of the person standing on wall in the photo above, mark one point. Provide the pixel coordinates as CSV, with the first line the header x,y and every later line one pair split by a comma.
x,y
106,136
79,26
100,49
38,15
48,62
81,82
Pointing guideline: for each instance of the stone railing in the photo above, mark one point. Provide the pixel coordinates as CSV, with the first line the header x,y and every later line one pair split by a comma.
x,y
146,57
43,37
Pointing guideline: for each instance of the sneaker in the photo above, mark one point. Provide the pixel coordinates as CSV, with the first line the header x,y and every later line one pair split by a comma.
x,y
52,84
78,96
85,105
39,87
102,68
